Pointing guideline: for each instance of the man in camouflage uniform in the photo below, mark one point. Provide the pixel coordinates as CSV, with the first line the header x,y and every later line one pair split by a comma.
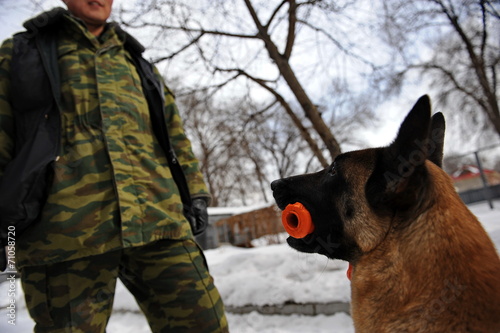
x,y
112,208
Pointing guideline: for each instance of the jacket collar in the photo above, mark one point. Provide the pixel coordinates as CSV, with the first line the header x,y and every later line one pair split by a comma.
x,y
54,17
45,20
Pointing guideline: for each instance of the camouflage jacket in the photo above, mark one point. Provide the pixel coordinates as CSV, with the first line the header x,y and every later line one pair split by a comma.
x,y
111,187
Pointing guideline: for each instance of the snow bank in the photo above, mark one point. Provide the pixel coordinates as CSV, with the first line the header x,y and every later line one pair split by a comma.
x,y
276,274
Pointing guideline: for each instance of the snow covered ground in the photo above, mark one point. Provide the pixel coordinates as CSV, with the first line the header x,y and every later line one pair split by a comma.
x,y
267,275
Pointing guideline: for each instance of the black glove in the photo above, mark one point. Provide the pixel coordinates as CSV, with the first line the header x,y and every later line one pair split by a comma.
x,y
199,216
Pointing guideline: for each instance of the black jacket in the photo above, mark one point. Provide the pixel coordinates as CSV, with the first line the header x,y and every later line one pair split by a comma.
x,y
36,103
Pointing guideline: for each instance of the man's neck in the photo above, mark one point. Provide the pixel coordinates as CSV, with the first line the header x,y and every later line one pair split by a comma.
x,y
95,30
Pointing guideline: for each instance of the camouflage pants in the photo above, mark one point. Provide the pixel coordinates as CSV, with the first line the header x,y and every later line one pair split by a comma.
x,y
169,279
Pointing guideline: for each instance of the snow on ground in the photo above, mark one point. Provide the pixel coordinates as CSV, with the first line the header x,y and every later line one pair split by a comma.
x,y
264,275
276,274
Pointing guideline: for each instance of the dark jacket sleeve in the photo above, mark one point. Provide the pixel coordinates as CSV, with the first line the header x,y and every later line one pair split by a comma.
x,y
6,119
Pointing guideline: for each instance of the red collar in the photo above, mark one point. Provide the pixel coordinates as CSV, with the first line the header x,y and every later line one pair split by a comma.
x,y
349,272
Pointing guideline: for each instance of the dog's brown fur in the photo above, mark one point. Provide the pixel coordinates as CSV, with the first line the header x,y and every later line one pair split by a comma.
x,y
422,261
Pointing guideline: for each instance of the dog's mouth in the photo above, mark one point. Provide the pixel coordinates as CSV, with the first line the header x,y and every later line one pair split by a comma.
x,y
281,201
282,205
313,243
302,244
281,195
321,241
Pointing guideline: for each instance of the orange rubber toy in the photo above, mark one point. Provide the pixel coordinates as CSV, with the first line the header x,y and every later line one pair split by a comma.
x,y
297,220
298,223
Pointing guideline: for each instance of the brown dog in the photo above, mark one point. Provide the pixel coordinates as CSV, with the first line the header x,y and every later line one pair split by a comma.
x,y
421,260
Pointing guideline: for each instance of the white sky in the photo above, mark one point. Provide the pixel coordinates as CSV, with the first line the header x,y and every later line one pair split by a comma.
x,y
14,12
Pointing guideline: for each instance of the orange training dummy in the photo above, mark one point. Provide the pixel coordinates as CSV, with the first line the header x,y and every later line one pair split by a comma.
x,y
297,220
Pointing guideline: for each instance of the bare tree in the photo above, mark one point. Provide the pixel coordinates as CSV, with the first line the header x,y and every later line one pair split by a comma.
x,y
262,46
349,112
455,45
282,144
243,146
240,147
213,130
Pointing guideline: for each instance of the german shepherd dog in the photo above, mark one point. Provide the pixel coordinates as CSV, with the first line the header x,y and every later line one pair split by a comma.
x,y
421,261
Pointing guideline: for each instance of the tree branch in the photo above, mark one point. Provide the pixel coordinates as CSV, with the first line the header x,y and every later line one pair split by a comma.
x,y
276,11
337,43
292,21
453,80
304,132
198,30
185,47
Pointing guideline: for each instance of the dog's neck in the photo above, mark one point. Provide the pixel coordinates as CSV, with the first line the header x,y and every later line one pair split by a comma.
x,y
402,251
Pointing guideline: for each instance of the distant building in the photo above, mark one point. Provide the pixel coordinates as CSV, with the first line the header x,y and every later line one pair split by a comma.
x,y
468,178
240,225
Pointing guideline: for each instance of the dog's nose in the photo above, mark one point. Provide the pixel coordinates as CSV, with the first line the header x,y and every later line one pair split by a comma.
x,y
276,183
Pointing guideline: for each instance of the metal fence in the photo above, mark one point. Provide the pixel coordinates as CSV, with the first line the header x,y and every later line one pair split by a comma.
x,y
481,194
483,186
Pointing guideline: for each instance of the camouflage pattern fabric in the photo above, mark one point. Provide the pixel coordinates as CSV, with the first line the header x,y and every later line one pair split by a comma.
x,y
112,187
169,280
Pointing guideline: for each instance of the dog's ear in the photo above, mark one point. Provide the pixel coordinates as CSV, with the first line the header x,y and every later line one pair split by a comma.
x,y
399,177
410,145
436,139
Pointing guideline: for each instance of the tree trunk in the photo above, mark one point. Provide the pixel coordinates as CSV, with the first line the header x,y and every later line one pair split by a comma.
x,y
286,71
304,133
